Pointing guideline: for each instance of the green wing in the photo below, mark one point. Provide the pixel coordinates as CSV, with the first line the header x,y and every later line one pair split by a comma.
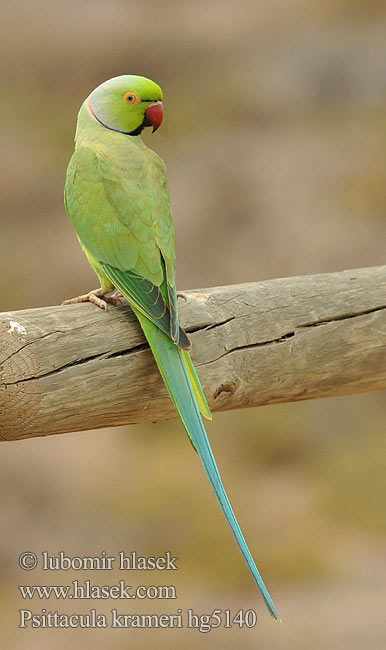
x,y
122,216
150,301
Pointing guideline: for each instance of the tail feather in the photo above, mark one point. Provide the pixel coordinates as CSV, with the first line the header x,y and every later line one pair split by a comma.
x,y
176,371
199,393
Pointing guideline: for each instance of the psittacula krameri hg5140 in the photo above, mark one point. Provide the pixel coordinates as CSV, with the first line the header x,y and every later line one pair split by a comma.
x,y
117,197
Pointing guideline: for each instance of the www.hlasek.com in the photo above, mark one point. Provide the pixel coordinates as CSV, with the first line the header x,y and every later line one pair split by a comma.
x,y
86,589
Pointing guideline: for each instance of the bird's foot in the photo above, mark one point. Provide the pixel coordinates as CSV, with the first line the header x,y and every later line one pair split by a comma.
x,y
114,297
181,294
98,297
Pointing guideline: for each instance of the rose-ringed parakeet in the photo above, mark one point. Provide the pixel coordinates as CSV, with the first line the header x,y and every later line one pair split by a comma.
x,y
117,196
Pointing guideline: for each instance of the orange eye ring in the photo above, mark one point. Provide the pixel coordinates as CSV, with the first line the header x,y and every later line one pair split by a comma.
x,y
131,98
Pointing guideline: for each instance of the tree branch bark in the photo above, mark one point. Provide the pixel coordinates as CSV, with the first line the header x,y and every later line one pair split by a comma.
x,y
76,367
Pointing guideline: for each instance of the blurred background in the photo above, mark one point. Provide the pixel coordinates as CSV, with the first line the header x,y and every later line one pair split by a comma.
x,y
275,142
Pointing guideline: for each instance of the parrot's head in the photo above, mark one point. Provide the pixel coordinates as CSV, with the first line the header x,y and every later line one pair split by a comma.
x,y
127,104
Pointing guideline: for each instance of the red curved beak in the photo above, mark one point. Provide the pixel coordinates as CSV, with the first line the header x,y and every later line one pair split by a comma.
x,y
155,114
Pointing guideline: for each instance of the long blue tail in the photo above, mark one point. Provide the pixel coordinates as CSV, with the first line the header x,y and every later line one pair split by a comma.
x,y
175,373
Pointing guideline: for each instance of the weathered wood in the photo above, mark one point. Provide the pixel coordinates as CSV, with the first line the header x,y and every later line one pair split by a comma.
x,y
72,368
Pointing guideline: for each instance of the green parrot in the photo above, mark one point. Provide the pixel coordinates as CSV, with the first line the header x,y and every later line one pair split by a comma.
x,y
116,195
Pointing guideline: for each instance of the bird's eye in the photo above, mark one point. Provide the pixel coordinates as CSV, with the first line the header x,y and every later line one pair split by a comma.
x,y
130,98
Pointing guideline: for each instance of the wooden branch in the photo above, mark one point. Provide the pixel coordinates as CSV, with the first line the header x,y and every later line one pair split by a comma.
x,y
73,368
